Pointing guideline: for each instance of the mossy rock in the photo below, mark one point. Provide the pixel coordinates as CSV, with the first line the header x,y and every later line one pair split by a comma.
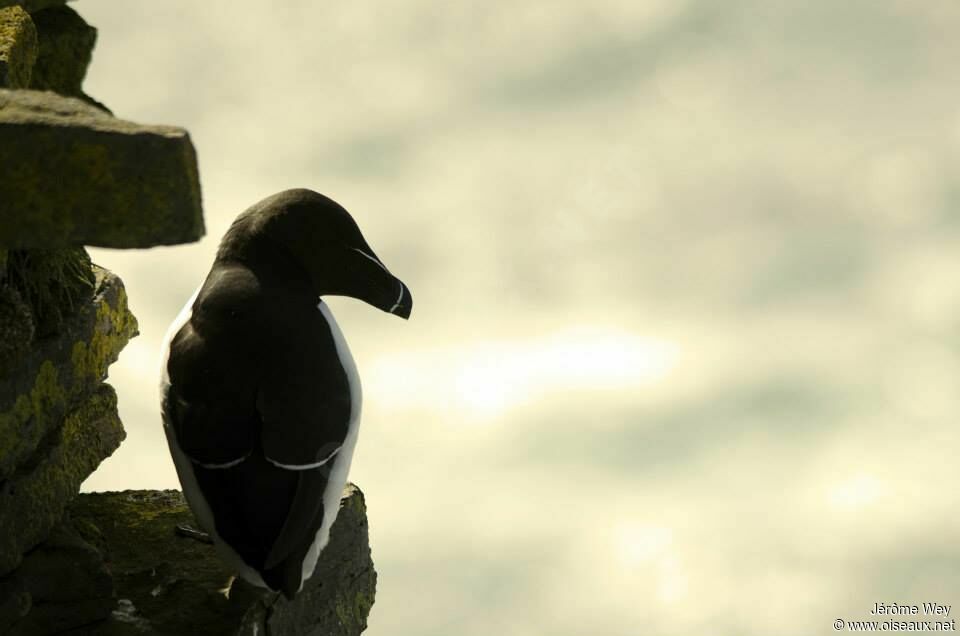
x,y
66,582
65,49
169,584
32,5
339,597
74,175
33,499
16,328
18,47
53,284
58,374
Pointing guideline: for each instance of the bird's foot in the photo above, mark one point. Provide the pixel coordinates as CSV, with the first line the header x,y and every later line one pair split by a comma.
x,y
193,533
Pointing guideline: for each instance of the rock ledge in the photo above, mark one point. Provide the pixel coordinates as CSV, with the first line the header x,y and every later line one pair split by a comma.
x,y
170,585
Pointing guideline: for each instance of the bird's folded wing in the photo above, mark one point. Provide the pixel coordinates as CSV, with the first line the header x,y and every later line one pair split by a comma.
x,y
208,398
305,408
304,402
208,432
303,519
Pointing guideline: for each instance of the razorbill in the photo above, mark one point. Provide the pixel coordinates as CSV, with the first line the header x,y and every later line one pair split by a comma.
x,y
260,396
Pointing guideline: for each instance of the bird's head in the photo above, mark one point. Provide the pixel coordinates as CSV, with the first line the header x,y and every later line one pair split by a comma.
x,y
320,238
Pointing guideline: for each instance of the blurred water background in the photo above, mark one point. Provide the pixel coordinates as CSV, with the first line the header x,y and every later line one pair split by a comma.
x,y
686,334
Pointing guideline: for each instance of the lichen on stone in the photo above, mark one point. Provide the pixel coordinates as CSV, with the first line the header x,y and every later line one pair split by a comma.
x,y
18,47
25,427
34,497
16,328
58,373
92,357
175,585
53,283
66,44
32,6
118,184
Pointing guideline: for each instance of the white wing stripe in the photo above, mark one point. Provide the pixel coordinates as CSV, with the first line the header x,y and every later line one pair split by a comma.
x,y
305,466
223,465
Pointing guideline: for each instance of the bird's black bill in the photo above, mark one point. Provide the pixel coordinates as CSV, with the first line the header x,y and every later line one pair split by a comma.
x,y
362,275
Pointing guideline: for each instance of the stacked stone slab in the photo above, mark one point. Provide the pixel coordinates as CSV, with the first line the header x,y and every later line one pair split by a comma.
x,y
73,175
67,179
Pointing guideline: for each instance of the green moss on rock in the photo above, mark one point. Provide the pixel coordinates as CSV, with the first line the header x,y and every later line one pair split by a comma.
x,y
47,395
168,584
339,596
58,373
66,44
33,499
90,358
18,48
16,328
32,5
118,184
53,283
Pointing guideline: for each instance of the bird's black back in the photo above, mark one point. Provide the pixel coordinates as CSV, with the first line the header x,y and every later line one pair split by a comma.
x,y
255,381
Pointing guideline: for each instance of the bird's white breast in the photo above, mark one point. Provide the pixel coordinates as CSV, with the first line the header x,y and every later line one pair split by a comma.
x,y
343,459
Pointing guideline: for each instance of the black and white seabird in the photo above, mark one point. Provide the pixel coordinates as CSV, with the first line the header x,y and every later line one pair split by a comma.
x,y
259,393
